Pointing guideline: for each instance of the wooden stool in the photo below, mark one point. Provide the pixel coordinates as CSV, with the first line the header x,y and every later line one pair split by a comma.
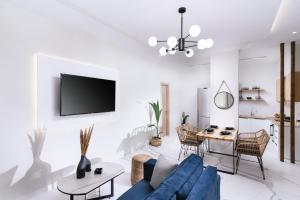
x,y
137,167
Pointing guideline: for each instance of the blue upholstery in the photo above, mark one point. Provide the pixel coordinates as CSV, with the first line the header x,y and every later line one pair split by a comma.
x,y
208,186
184,191
138,192
176,179
187,181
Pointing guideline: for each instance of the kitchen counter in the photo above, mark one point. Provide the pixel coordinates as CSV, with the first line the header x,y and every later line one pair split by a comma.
x,y
270,118
286,124
257,117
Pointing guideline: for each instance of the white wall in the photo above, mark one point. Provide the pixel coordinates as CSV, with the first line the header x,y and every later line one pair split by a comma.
x,y
195,77
257,73
22,35
225,66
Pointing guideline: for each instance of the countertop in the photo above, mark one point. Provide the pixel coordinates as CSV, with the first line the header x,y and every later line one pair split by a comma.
x,y
286,124
271,118
257,117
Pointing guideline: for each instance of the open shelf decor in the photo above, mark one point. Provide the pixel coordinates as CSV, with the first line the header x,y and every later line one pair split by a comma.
x,y
253,91
182,44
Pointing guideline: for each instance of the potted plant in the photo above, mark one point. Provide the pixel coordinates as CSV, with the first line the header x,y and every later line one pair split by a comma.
x,y
156,140
184,118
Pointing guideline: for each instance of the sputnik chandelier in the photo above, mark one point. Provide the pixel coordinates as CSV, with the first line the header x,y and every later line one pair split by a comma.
x,y
182,43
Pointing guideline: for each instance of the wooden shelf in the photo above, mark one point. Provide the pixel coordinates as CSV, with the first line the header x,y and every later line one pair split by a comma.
x,y
252,90
252,100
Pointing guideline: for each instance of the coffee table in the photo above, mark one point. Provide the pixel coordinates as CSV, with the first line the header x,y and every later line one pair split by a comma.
x,y
72,186
226,138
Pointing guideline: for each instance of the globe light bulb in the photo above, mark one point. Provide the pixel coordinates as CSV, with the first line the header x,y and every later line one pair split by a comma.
x,y
195,30
201,44
209,43
152,41
172,51
163,51
189,53
172,41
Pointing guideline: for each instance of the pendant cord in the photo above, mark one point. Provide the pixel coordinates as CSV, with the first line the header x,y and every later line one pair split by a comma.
x,y
181,25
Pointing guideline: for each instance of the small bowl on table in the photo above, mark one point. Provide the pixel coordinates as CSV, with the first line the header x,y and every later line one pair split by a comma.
x,y
209,130
213,126
225,133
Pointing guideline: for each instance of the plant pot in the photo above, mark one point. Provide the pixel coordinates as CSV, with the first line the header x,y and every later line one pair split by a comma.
x,y
84,165
155,141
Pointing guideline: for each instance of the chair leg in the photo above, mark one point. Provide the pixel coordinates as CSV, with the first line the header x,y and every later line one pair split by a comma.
x,y
237,162
202,149
181,148
261,166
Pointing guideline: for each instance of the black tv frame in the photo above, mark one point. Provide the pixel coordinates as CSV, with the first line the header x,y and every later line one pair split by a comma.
x,y
60,89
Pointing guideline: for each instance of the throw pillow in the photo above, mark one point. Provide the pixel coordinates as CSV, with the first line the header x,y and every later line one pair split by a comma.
x,y
162,168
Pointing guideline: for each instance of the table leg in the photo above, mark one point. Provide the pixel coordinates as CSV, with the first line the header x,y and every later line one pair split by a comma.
x,y
233,157
112,187
71,197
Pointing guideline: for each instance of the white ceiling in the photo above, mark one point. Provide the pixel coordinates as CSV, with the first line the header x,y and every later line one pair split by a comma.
x,y
231,23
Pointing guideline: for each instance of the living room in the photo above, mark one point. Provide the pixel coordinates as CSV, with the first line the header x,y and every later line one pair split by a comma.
x,y
245,52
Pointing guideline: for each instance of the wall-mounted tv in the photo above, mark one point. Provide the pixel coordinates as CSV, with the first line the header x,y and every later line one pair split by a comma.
x,y
84,95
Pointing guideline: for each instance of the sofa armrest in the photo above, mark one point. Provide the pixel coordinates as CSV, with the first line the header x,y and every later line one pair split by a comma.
x,y
148,169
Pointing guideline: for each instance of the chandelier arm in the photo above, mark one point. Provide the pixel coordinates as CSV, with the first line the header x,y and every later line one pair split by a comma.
x,y
190,46
191,41
161,40
187,36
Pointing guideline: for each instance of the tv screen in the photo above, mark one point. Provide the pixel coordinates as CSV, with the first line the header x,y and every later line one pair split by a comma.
x,y
83,95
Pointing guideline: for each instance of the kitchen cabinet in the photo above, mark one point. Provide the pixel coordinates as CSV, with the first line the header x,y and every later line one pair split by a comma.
x,y
287,142
287,88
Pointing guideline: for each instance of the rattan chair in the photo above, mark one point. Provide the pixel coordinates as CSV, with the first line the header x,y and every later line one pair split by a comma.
x,y
253,144
188,139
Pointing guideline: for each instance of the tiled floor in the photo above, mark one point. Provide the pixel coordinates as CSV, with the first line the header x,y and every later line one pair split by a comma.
x,y
282,179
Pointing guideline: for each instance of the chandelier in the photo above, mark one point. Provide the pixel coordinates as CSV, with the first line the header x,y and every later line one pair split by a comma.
x,y
182,43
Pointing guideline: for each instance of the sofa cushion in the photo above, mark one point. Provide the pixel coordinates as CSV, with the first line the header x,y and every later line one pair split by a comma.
x,y
184,191
137,192
177,178
207,186
162,169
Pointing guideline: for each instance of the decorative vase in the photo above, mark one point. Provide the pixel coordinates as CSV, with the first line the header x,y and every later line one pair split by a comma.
x,y
155,141
84,165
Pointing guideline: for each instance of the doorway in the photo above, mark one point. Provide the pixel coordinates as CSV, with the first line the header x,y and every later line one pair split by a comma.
x,y
165,108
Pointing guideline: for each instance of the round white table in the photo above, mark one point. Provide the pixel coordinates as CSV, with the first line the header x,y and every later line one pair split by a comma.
x,y
72,186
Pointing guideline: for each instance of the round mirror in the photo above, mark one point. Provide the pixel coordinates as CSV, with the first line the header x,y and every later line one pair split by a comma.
x,y
224,100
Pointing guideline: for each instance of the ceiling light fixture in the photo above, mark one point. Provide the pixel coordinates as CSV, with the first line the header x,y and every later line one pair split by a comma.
x,y
294,32
182,44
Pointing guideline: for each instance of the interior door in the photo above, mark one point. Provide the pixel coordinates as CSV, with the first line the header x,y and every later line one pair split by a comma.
x,y
165,108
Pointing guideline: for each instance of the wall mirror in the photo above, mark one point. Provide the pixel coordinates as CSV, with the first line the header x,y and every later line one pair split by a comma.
x,y
224,99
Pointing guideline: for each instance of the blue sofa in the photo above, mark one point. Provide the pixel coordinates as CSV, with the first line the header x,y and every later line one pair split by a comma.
x,y
189,180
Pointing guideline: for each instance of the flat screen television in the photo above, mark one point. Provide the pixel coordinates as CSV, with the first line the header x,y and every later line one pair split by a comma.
x,y
85,95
